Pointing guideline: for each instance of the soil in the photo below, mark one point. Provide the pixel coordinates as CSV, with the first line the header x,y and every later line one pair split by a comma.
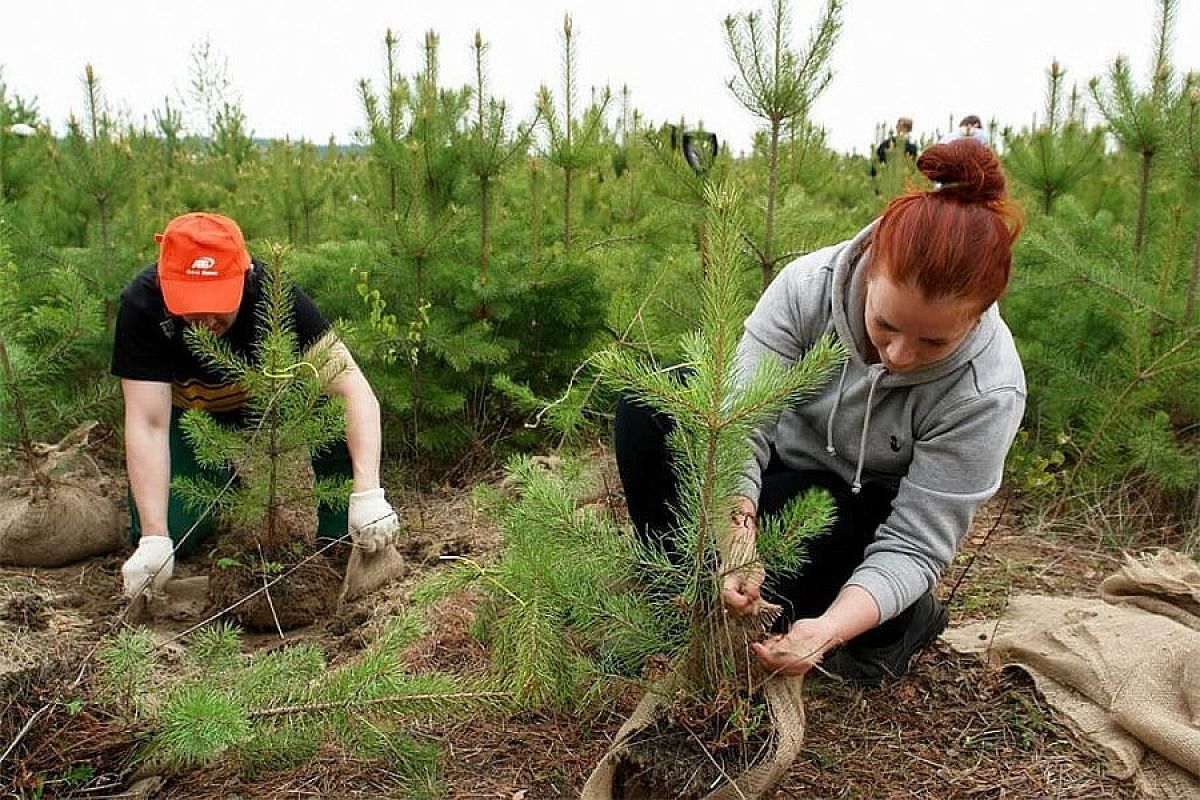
x,y
950,729
302,589
668,759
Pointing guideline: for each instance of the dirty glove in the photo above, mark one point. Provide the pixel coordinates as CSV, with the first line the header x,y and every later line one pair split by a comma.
x,y
373,522
152,553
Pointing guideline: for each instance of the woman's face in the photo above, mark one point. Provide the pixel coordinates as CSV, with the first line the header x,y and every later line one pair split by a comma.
x,y
908,330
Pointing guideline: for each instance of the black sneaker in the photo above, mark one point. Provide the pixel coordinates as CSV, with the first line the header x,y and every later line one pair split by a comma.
x,y
870,667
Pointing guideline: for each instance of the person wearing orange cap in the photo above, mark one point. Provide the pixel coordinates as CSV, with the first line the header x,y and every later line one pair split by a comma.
x,y
205,276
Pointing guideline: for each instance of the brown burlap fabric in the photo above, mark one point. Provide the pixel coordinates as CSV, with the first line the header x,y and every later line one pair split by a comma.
x,y
786,708
1124,670
366,572
56,526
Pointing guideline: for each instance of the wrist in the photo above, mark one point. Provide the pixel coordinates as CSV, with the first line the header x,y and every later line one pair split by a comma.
x,y
817,636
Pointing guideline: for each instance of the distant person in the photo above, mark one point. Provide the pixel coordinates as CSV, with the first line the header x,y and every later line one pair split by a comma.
x,y
969,128
900,140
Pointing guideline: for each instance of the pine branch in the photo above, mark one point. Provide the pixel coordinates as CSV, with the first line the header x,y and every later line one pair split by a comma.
x,y
398,700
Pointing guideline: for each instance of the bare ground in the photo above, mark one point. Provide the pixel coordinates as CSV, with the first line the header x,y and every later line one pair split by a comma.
x,y
950,729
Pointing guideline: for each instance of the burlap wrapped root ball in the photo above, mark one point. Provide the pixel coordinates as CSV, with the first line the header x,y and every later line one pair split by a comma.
x,y
786,712
56,525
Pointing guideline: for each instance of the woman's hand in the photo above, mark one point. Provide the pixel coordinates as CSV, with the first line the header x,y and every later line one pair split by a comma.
x,y
741,585
797,651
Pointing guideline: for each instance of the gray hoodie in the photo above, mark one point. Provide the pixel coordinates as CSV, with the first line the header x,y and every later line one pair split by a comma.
x,y
938,435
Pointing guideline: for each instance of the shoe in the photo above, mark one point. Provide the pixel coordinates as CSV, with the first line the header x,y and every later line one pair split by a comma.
x,y
870,667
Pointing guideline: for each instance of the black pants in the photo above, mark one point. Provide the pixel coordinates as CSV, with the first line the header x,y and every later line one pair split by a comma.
x,y
652,494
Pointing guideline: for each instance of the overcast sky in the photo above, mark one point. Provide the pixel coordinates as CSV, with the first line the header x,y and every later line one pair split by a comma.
x,y
295,63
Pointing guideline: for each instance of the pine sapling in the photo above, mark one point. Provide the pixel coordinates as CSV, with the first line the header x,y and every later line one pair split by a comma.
x,y
779,85
271,505
717,718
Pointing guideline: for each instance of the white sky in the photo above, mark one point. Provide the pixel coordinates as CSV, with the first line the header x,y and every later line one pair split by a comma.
x,y
296,63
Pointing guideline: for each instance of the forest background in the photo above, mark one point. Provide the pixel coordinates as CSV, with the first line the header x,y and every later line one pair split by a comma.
x,y
479,252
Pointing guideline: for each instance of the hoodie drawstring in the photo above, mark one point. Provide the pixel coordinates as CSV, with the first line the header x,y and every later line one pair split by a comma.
x,y
855,487
837,402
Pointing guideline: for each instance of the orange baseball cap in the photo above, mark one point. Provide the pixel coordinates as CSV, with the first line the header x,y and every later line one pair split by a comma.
x,y
202,264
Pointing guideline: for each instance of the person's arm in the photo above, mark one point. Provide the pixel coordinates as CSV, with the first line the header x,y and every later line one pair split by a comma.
x,y
854,611
371,520
147,451
148,462
957,465
363,431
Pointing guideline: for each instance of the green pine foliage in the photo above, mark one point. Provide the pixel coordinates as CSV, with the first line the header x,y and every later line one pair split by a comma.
x,y
574,142
1108,360
447,263
289,418
270,711
1140,119
715,409
303,182
778,84
1056,156
561,610
93,162
50,321
572,599
1187,154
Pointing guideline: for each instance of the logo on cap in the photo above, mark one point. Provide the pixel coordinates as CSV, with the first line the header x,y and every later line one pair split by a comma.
x,y
204,266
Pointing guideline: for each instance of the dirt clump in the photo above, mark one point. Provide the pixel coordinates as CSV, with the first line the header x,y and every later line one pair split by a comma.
x,y
28,612
300,588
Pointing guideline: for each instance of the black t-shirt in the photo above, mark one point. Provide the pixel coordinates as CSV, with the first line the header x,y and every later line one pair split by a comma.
x,y
149,344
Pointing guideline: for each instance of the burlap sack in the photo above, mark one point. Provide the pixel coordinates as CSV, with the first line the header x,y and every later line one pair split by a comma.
x,y
366,572
1125,673
786,708
56,526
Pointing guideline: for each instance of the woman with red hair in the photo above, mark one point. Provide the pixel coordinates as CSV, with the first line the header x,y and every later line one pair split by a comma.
x,y
909,439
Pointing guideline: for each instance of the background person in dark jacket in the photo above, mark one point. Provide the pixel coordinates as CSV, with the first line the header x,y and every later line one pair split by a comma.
x,y
901,140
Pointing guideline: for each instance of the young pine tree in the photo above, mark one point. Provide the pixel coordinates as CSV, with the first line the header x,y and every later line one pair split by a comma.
x,y
49,322
715,409
574,143
94,162
492,151
271,711
1140,120
1060,153
779,86
271,505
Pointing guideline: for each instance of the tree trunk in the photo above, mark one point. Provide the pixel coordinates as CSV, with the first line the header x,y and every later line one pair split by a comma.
x,y
485,243
768,266
18,405
1143,201
1189,313
568,175
103,207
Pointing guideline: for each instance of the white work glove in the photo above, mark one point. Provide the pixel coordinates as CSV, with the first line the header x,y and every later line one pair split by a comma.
x,y
152,553
373,521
